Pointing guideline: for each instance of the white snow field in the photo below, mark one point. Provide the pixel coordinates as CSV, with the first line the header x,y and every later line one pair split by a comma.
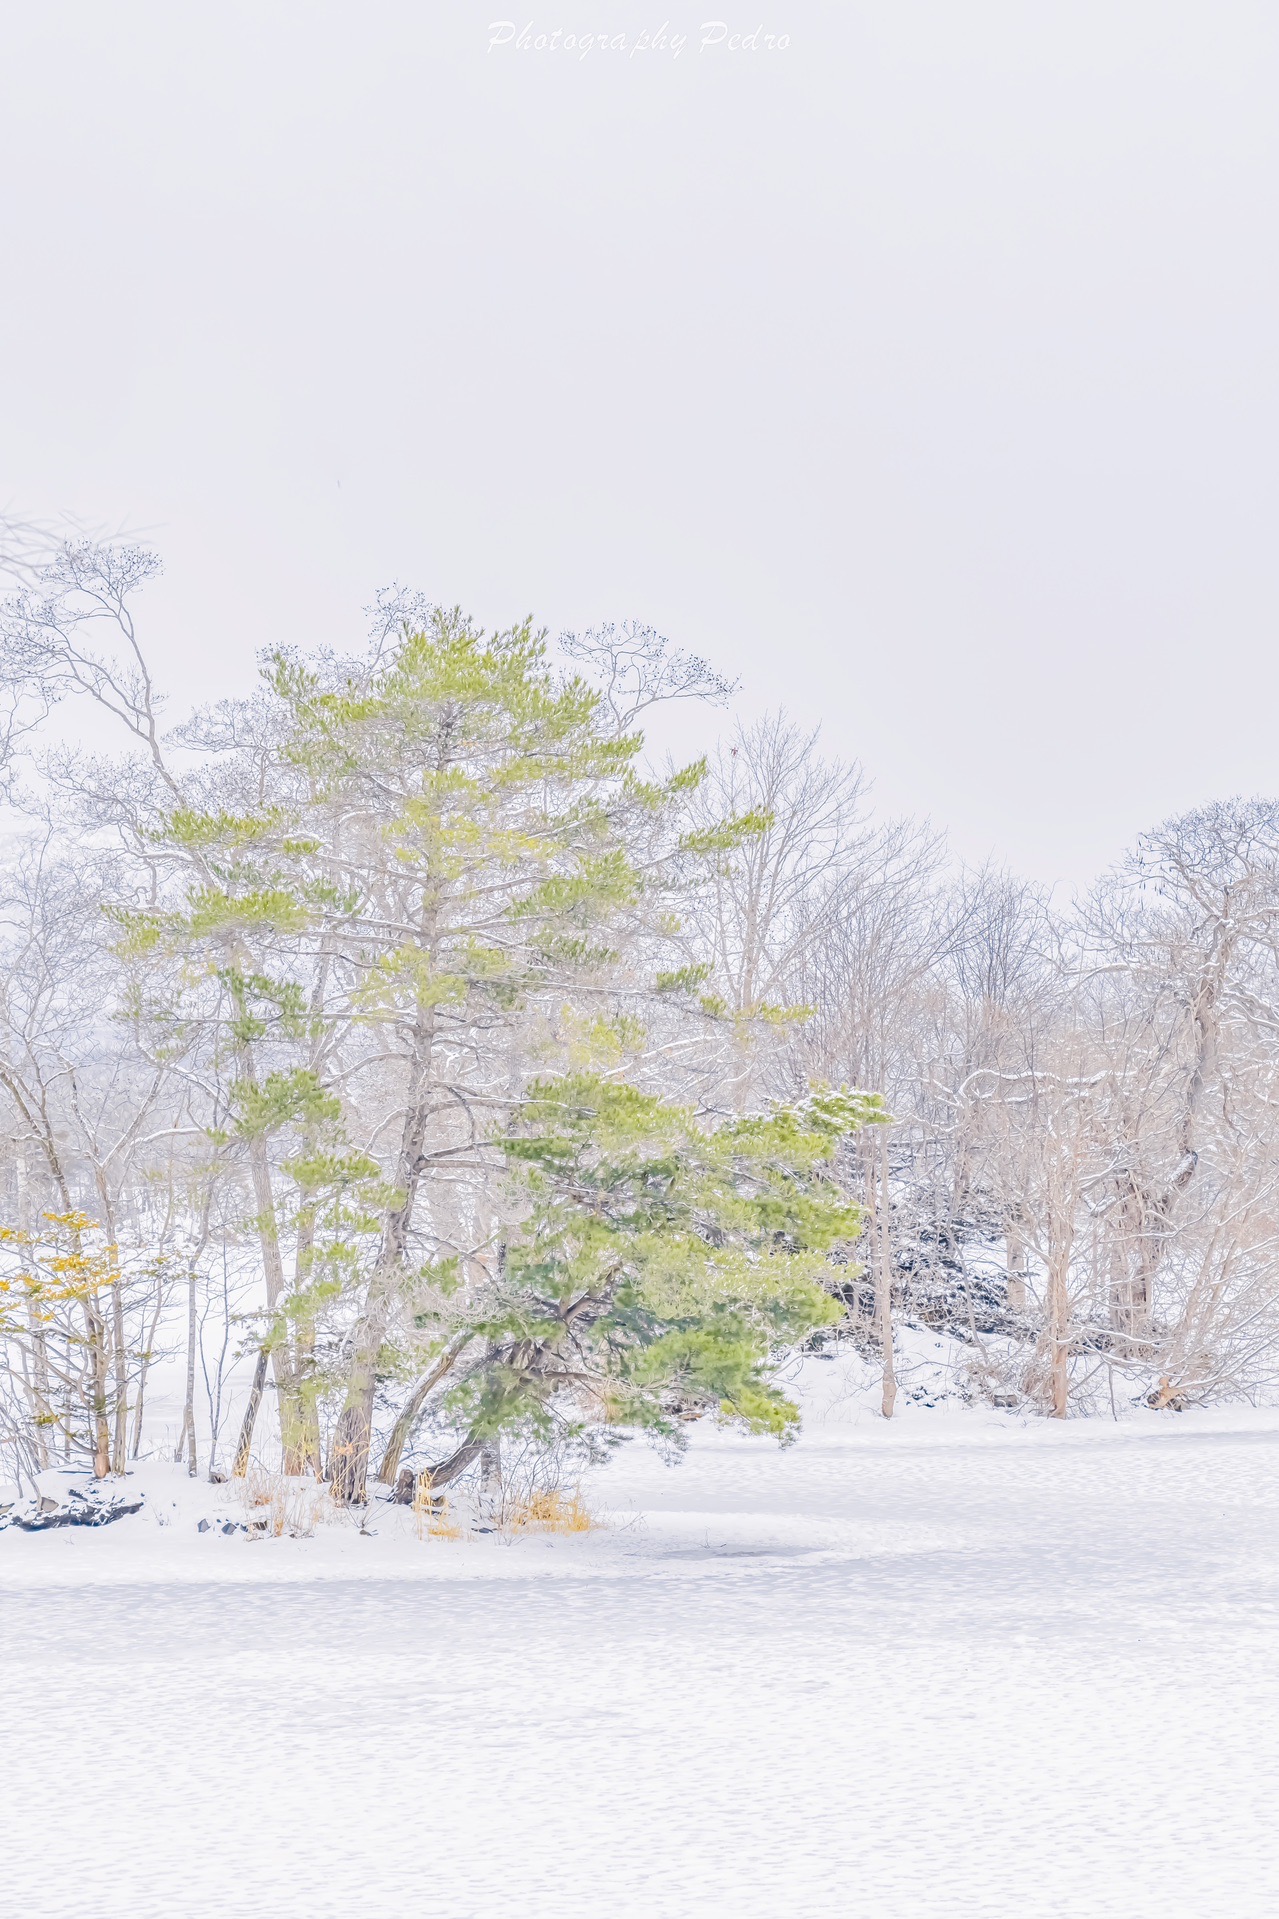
x,y
959,1664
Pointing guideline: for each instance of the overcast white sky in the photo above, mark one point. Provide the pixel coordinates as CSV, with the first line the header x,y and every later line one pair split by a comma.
x,y
922,371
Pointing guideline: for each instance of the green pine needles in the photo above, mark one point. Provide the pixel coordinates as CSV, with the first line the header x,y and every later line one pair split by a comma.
x,y
661,1264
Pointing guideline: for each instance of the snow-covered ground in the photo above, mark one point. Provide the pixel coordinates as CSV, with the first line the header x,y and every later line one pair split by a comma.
x,y
959,1664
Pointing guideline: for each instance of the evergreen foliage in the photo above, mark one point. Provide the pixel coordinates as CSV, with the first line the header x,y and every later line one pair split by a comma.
x,y
661,1263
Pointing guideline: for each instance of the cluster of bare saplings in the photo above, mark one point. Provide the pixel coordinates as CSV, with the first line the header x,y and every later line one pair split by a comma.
x,y
274,979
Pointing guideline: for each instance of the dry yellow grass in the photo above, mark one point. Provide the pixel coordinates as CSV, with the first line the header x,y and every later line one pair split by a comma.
x,y
547,1512
433,1517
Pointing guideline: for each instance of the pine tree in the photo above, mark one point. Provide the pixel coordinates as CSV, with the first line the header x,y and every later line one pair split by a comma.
x,y
658,1266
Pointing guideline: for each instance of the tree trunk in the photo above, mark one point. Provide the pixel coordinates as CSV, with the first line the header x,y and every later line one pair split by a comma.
x,y
491,1470
100,1388
1059,1332
888,1395
144,1367
120,1434
245,1447
187,1441
40,1391
273,1274
352,1436
268,1242
455,1465
1015,1283
402,1431
299,1414
306,1456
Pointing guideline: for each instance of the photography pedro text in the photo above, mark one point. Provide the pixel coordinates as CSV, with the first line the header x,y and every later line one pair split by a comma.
x,y
710,35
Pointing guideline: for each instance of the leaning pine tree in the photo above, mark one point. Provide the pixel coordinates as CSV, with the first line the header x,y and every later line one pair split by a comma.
x,y
659,1267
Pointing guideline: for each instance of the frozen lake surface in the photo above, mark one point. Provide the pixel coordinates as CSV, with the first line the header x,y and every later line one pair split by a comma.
x,y
961,1665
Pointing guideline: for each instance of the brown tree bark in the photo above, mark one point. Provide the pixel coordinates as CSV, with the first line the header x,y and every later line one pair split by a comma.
x,y
352,1436
402,1431
1015,1283
1059,1332
100,1376
299,1417
187,1442
244,1449
878,1195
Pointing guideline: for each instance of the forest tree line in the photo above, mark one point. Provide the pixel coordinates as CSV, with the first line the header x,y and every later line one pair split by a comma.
x,y
403,1056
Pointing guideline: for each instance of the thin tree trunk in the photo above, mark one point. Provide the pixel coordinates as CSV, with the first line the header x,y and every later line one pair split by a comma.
x,y
300,1433
273,1274
269,1244
120,1356
884,1274
352,1436
245,1448
101,1397
40,1394
1015,1283
144,1367
187,1442
1059,1331
402,1431
1121,1288
491,1470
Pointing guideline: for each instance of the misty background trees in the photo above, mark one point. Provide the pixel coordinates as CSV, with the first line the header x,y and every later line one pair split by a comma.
x,y
399,1061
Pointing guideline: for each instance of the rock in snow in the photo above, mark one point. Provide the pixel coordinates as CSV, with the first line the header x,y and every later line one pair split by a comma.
x,y
77,1509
